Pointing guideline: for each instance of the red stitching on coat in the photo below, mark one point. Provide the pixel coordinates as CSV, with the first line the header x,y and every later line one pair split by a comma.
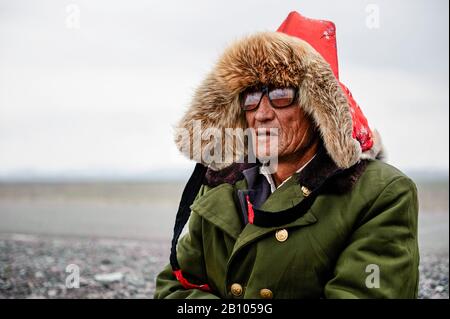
x,y
250,212
187,285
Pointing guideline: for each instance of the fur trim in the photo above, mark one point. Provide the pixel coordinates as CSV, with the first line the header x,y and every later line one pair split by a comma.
x,y
312,176
377,151
322,167
230,174
278,59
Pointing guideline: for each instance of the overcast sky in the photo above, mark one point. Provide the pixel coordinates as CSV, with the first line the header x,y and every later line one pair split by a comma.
x,y
96,86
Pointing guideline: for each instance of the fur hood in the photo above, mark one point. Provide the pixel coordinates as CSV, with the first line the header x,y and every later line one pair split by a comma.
x,y
278,59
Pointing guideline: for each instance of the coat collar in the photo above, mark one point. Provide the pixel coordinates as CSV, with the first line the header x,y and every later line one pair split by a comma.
x,y
314,174
219,206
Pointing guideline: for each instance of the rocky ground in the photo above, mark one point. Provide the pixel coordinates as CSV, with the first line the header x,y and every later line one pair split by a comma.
x,y
35,267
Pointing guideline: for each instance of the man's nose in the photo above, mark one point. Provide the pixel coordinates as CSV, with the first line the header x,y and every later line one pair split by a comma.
x,y
265,111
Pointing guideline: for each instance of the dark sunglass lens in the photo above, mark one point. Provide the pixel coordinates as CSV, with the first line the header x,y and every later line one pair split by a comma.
x,y
251,100
282,97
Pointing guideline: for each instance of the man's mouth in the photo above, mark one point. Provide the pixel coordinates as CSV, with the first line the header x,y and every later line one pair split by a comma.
x,y
266,132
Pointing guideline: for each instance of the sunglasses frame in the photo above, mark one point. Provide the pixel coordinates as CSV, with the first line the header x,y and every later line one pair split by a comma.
x,y
265,91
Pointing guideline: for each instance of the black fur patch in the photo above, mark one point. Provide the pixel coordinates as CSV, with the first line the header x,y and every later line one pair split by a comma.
x,y
230,174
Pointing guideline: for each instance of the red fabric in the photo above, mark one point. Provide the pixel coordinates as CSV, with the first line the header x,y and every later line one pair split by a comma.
x,y
361,130
250,212
321,35
186,284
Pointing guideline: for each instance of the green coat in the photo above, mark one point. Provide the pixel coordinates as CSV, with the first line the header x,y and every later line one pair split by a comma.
x,y
335,250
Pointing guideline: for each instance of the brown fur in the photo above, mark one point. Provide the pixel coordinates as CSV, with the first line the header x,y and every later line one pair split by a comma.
x,y
277,59
319,170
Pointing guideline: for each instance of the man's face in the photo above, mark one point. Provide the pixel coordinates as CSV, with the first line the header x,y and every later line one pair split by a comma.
x,y
295,129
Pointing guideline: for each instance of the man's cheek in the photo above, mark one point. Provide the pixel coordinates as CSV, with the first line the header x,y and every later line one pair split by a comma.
x,y
250,119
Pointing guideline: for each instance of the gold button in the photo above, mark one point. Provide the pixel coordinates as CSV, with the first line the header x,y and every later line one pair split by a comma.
x,y
236,290
266,293
305,191
281,235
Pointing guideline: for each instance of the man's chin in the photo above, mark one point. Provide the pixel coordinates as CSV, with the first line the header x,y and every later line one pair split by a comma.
x,y
271,162
263,158
267,148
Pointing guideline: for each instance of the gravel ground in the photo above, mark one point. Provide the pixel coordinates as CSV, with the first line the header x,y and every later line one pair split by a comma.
x,y
35,267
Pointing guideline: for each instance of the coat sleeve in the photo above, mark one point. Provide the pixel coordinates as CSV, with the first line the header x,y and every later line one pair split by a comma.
x,y
190,258
382,256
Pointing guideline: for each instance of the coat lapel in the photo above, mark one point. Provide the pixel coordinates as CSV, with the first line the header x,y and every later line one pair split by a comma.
x,y
287,196
218,207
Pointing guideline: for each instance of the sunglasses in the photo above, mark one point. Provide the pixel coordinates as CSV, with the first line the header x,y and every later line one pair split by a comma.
x,y
278,97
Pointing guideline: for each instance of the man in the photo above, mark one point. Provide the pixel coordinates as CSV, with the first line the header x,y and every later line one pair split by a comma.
x,y
331,221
